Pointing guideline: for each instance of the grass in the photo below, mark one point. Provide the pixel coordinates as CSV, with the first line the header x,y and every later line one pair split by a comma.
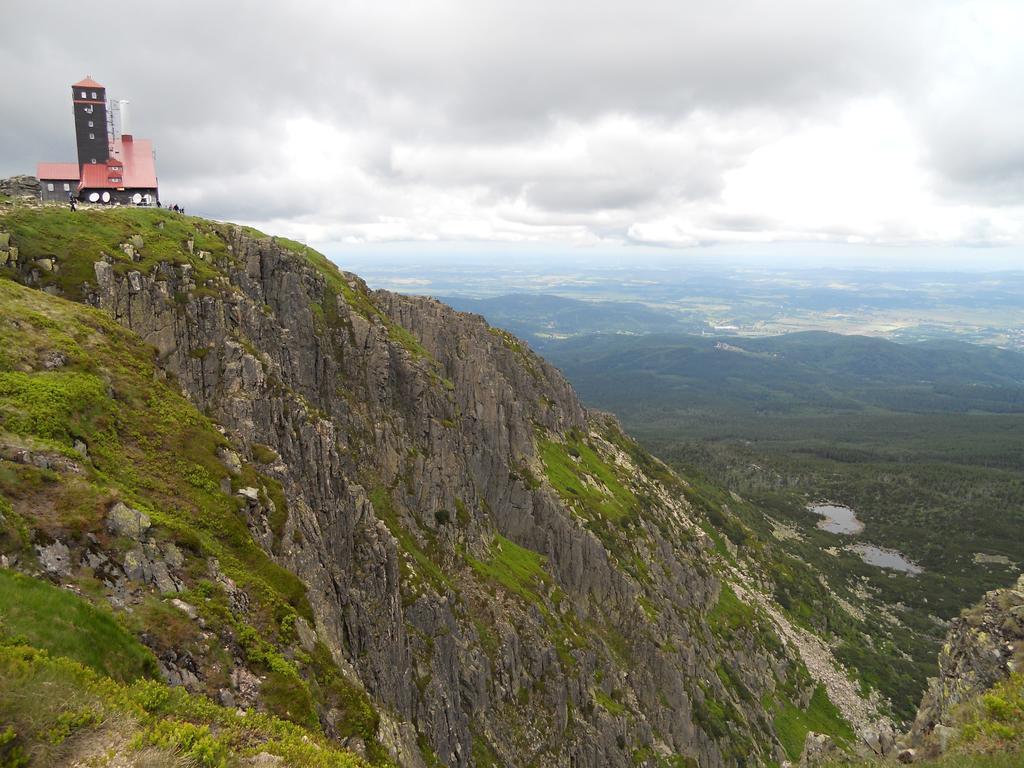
x,y
77,240
996,718
147,445
792,724
522,572
64,624
53,405
585,481
517,569
1010,759
610,705
729,615
80,703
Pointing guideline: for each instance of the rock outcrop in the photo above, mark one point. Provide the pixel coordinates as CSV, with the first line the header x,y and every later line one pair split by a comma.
x,y
20,186
407,437
984,646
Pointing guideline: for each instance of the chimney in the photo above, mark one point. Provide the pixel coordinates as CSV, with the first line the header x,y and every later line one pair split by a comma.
x,y
126,128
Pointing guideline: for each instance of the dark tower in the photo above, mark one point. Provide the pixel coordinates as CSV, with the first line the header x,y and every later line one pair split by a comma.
x,y
90,102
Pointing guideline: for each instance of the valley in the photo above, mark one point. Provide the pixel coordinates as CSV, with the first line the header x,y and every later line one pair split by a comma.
x,y
921,440
318,524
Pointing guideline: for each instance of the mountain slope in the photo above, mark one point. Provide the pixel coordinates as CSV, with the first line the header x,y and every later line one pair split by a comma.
x,y
114,486
921,440
509,577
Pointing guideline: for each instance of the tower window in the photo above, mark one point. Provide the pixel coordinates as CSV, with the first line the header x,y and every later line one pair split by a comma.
x,y
94,94
92,135
90,123
49,187
88,109
92,160
83,94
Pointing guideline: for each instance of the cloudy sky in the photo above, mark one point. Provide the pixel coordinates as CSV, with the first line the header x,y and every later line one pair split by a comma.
x,y
519,124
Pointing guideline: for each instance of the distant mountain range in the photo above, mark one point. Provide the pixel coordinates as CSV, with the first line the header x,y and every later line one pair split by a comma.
x,y
810,370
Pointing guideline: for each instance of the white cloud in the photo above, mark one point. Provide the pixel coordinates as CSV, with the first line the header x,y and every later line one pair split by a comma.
x,y
578,123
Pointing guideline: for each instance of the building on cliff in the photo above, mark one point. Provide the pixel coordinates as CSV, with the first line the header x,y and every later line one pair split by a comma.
x,y
113,166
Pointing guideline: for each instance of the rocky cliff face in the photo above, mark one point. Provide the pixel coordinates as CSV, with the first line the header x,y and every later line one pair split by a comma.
x,y
983,648
511,578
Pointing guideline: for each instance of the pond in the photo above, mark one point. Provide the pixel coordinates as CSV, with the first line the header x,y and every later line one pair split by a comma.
x,y
885,558
838,519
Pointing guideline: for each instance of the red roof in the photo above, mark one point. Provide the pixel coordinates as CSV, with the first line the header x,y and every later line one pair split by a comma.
x,y
139,168
139,163
88,82
96,177
58,171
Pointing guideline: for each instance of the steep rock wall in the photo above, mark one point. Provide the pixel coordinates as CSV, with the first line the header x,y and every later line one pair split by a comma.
x,y
475,592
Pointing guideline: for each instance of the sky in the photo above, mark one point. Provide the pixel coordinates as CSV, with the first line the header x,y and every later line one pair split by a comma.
x,y
885,129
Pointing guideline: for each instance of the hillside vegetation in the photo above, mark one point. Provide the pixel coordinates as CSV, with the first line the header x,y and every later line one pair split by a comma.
x,y
89,423
385,531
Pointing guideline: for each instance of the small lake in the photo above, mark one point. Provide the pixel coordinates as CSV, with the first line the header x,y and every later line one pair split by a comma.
x,y
838,519
885,558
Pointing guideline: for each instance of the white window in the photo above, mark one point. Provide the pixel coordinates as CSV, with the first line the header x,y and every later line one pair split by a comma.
x,y
93,161
88,109
67,187
92,135
83,94
94,94
90,123
49,186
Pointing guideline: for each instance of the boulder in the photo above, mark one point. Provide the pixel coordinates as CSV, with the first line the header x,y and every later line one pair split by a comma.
x,y
230,459
881,741
186,608
819,749
250,493
52,361
265,760
173,555
122,520
55,558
